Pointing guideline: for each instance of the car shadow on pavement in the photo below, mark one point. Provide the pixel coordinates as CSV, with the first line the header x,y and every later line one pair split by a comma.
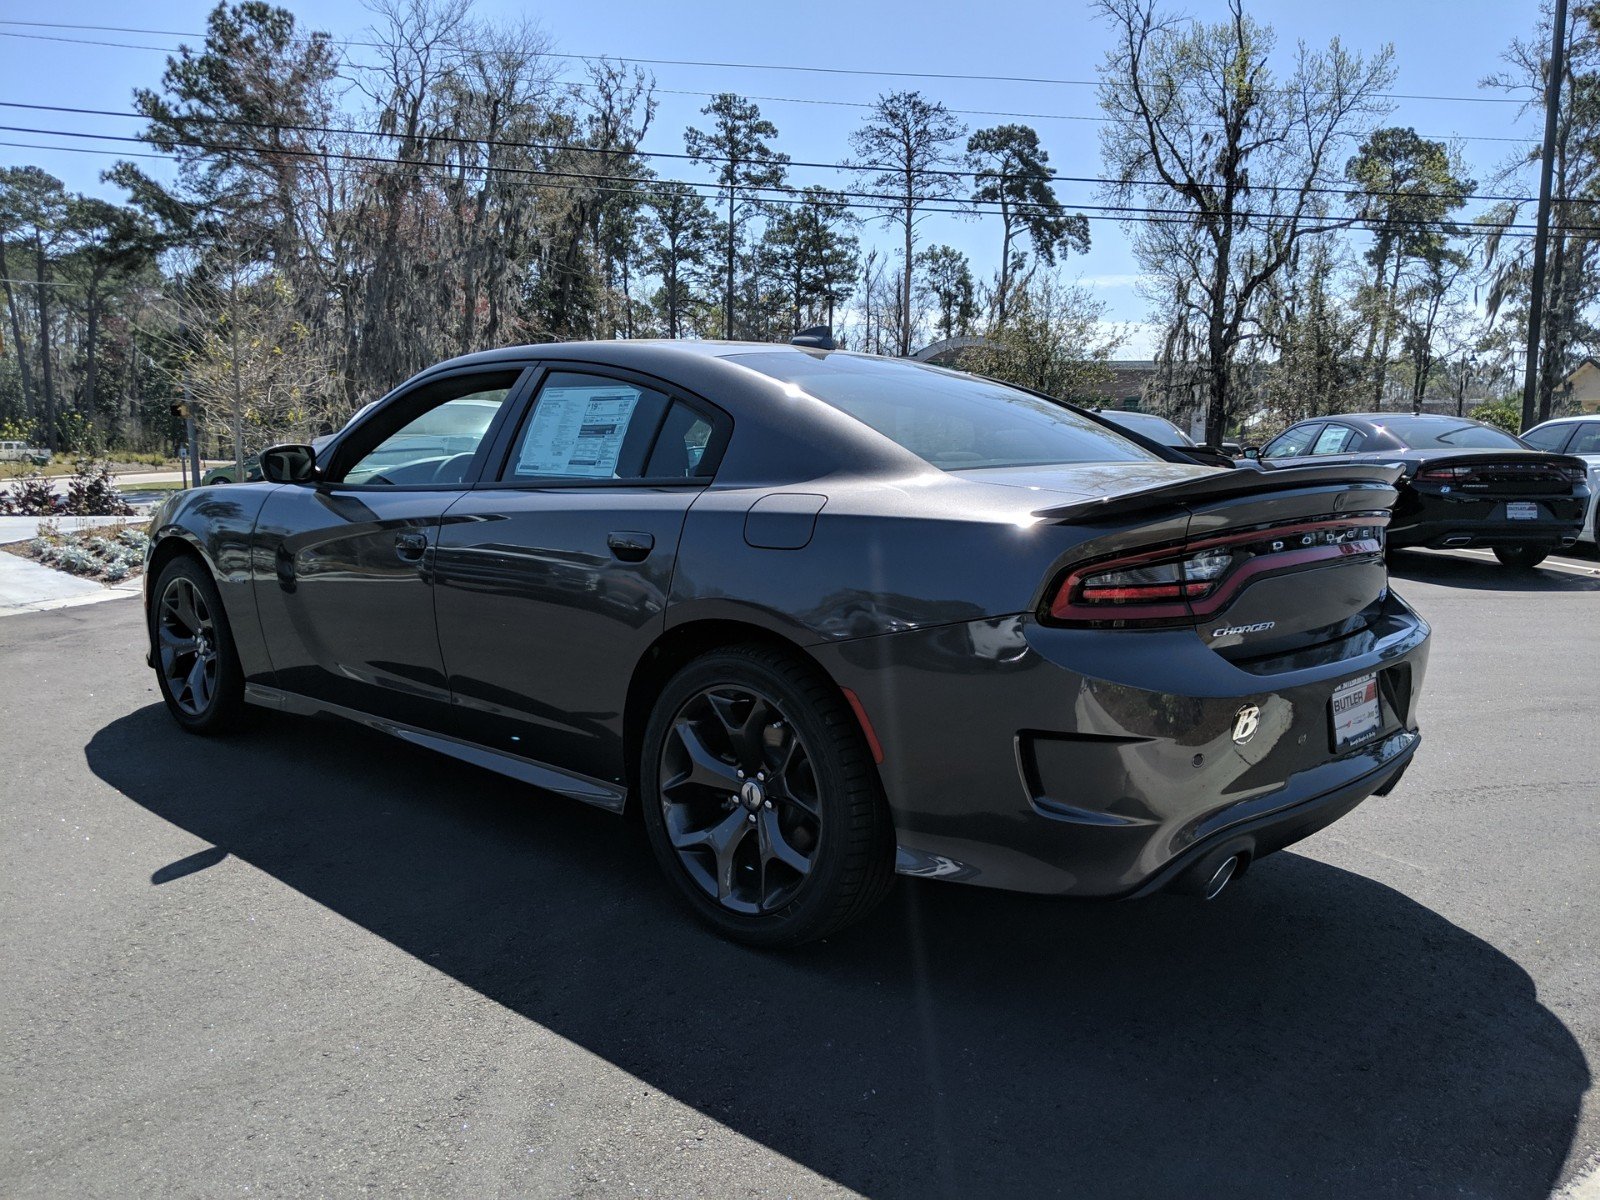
x,y
1486,574
1314,1033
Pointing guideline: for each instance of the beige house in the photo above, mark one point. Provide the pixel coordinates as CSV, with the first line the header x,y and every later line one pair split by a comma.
x,y
1583,386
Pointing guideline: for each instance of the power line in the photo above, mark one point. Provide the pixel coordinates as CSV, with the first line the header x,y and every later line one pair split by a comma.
x,y
643,185
1459,137
551,147
746,66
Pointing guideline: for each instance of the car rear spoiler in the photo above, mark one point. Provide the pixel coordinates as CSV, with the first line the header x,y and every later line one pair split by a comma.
x,y
1223,485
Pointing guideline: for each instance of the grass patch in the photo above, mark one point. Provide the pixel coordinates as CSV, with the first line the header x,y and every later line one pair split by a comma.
x,y
121,463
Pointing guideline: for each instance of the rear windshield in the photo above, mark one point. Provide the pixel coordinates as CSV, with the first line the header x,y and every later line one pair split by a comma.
x,y
1156,428
1419,433
952,421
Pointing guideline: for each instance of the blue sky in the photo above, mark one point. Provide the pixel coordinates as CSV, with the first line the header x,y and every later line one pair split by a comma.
x,y
1440,49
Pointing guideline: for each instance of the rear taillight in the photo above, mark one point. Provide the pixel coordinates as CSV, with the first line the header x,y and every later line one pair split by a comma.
x,y
1176,584
1490,474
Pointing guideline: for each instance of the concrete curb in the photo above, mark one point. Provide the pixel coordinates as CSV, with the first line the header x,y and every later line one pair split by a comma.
x,y
121,591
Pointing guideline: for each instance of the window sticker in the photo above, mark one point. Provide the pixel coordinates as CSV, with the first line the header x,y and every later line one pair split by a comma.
x,y
578,431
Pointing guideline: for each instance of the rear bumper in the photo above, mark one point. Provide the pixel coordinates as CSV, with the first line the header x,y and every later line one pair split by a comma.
x,y
1101,763
1284,828
1439,521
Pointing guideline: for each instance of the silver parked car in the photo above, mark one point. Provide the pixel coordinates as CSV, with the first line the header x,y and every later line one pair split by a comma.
x,y
1580,437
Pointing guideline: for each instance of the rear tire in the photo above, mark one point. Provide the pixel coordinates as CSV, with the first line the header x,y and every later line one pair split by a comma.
x,y
1521,558
197,666
799,845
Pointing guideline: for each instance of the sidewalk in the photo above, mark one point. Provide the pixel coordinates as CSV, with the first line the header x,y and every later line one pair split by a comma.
x,y
26,586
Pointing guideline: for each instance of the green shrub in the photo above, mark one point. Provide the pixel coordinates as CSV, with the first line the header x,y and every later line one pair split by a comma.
x,y
1502,414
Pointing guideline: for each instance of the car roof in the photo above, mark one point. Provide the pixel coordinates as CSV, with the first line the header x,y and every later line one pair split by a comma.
x,y
634,348
1575,419
1380,419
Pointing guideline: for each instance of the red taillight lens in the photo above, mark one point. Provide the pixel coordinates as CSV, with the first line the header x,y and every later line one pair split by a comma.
x,y
1445,474
1179,583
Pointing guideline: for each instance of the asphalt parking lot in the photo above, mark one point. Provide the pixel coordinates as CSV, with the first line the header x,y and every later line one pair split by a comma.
x,y
306,959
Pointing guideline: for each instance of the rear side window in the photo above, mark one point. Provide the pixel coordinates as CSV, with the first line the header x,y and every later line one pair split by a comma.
x,y
1588,439
586,427
952,421
680,449
1291,443
1336,439
591,427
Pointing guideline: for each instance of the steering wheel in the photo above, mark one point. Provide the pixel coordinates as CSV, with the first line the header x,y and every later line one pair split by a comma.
x,y
453,469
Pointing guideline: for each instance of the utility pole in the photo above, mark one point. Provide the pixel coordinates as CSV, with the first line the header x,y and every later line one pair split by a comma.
x,y
238,392
186,411
1541,237
189,432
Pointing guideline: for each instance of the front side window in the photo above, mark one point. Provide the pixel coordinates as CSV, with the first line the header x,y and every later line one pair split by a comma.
x,y
949,420
1550,437
1291,443
437,443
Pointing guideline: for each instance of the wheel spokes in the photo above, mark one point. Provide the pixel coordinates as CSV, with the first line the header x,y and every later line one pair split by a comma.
x,y
742,717
739,798
775,845
705,768
184,639
181,607
199,681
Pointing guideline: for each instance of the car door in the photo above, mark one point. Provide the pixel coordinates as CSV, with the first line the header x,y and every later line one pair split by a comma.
x,y
552,578
343,566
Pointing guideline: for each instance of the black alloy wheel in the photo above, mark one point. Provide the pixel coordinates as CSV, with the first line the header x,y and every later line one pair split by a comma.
x,y
195,661
739,797
761,800
1522,558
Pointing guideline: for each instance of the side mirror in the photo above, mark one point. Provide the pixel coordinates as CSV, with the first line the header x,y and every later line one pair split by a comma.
x,y
289,464
1252,452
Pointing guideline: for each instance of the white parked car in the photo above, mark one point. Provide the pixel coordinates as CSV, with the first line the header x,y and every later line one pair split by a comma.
x,y
22,452
1579,436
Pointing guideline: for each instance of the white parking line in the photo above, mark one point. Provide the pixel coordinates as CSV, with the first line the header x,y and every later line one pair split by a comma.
x,y
1583,570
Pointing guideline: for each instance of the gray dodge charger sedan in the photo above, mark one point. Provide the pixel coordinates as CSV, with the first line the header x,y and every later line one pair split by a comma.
x,y
817,618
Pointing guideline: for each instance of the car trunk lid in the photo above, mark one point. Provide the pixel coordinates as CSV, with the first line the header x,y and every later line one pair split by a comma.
x,y
1258,562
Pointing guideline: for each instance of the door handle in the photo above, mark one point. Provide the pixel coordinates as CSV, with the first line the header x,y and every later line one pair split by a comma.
x,y
631,546
410,546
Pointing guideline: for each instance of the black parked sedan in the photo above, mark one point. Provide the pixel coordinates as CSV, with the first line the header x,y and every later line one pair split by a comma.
x,y
1464,483
818,617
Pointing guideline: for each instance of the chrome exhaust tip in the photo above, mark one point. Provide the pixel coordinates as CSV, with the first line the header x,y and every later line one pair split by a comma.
x,y
1458,541
1221,878
1211,876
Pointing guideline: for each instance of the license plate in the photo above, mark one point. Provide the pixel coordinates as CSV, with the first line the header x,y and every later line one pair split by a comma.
x,y
1522,510
1356,712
